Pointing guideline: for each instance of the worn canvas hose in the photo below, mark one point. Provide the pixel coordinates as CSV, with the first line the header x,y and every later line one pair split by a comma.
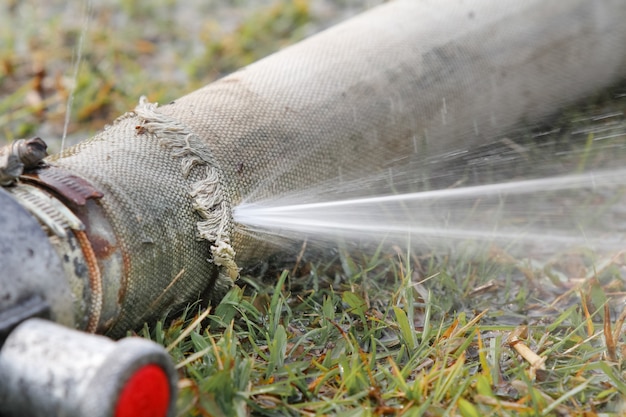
x,y
407,78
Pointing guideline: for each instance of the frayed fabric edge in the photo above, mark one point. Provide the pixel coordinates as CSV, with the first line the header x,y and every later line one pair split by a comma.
x,y
208,194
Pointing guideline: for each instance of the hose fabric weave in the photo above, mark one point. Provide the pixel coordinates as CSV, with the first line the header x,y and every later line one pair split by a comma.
x,y
164,199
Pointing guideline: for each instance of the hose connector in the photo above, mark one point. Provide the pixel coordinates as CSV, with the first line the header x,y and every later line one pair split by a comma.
x,y
48,369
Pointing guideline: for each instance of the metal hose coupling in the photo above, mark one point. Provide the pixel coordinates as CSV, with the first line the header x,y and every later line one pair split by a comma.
x,y
52,238
45,193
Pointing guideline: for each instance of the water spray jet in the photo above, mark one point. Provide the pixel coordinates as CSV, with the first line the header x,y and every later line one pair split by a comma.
x,y
466,213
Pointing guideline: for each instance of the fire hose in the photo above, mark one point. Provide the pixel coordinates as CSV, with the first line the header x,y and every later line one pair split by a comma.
x,y
137,221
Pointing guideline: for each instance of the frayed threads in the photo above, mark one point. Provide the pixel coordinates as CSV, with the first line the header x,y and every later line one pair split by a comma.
x,y
209,198
224,256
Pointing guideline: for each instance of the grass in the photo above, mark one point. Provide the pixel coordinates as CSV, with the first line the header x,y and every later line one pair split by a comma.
x,y
130,49
388,331
381,341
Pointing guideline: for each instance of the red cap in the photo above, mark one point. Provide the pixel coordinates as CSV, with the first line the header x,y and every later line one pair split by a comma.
x,y
146,394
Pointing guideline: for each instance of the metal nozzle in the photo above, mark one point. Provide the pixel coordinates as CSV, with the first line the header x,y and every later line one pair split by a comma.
x,y
49,369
